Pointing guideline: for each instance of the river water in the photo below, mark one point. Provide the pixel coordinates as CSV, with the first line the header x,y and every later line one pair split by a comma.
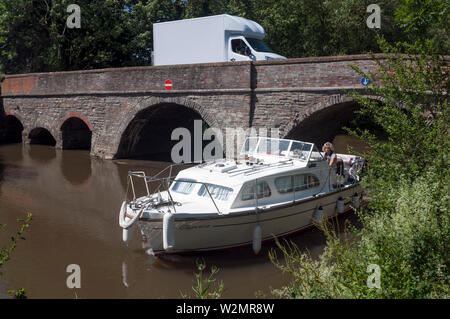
x,y
75,200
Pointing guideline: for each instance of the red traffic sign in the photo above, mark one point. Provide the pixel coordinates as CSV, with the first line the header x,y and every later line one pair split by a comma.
x,y
168,85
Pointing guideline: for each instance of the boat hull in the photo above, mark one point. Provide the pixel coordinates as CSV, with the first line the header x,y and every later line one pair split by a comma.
x,y
236,229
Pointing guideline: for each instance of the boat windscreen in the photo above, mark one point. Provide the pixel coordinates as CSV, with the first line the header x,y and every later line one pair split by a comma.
x,y
300,150
316,155
273,146
249,146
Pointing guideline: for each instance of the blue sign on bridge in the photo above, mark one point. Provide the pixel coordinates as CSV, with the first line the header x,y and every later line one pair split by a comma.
x,y
365,81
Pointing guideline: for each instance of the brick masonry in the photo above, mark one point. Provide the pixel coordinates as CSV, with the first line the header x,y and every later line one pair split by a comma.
x,y
268,94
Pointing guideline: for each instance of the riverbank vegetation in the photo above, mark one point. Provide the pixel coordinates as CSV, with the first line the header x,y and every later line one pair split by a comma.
x,y
406,225
205,286
6,252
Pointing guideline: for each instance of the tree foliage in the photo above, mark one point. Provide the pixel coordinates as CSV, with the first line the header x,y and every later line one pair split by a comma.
x,y
114,33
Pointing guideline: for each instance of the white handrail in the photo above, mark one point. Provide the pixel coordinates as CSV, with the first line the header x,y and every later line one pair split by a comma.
x,y
148,179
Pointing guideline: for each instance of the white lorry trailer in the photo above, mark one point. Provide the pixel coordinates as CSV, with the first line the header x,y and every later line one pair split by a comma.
x,y
219,38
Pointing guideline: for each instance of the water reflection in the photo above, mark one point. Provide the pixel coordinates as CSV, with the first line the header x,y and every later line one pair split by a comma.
x,y
41,153
12,153
76,167
2,169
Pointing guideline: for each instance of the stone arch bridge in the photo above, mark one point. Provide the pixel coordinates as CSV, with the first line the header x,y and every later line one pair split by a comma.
x,y
126,112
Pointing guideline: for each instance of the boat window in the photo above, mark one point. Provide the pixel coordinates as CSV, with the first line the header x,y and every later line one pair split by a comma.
x,y
217,192
273,146
284,184
183,186
316,155
249,191
250,145
287,184
305,181
300,150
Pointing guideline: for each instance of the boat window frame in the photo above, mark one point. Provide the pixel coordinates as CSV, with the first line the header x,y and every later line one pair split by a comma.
x,y
296,188
252,184
208,192
291,143
269,146
188,180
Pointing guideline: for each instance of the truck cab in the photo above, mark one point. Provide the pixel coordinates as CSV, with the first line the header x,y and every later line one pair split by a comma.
x,y
242,48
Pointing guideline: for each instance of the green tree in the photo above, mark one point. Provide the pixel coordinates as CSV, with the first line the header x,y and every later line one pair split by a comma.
x,y
34,36
426,19
24,38
348,31
203,8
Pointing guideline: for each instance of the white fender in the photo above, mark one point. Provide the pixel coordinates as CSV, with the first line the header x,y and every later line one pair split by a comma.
x,y
126,235
340,205
257,233
319,214
168,231
356,201
124,221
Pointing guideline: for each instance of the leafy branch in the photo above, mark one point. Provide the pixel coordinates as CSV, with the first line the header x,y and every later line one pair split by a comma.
x,y
6,252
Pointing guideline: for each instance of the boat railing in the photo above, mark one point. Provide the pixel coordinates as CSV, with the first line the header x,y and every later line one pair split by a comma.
x,y
165,182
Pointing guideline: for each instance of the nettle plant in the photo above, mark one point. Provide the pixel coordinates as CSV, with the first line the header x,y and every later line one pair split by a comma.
x,y
6,252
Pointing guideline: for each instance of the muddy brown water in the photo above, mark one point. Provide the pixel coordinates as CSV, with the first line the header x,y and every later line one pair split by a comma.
x,y
75,201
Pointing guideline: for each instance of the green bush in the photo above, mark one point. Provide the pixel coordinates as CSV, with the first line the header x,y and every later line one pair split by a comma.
x,y
408,242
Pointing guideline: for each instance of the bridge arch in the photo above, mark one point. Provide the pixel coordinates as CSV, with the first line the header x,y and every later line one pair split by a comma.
x,y
321,122
76,132
145,131
11,129
42,136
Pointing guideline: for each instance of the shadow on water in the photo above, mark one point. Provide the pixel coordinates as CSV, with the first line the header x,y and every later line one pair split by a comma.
x,y
76,166
2,169
12,153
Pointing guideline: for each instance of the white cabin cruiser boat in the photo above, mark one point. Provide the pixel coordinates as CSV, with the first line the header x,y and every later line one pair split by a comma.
x,y
277,187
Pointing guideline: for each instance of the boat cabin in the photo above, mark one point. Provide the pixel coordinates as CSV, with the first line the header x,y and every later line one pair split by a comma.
x,y
268,172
